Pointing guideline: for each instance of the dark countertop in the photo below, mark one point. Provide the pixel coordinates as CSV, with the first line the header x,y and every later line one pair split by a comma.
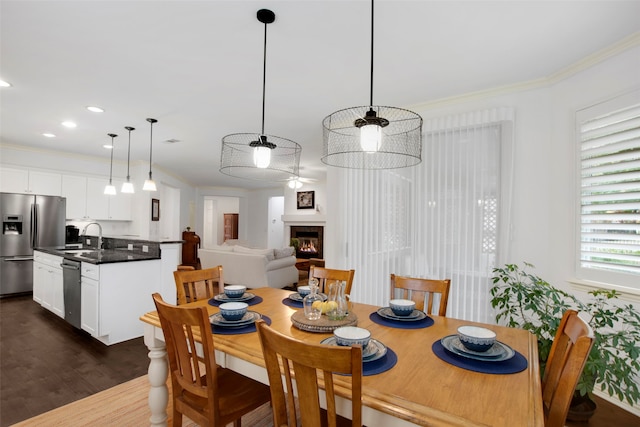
x,y
93,256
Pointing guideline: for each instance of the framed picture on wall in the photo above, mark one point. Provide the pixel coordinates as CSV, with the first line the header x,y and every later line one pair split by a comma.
x,y
155,210
306,199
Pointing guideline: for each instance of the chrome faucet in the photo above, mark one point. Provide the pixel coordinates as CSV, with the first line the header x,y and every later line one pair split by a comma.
x,y
84,233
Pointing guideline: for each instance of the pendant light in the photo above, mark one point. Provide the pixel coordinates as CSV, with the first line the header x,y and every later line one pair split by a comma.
x,y
372,137
110,189
260,156
149,184
127,187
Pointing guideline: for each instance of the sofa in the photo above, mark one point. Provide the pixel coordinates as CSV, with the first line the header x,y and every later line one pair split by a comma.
x,y
253,268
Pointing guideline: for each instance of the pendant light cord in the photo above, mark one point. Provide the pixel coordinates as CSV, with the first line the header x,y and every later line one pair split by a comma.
x,y
371,86
264,74
129,151
111,168
150,149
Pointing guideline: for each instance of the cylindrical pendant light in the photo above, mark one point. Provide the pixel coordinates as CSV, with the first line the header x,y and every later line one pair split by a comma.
x,y
127,187
149,184
260,156
372,137
110,189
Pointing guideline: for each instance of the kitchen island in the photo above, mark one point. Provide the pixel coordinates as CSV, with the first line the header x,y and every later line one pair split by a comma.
x,y
104,292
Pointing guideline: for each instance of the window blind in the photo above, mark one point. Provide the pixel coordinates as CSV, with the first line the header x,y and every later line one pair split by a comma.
x,y
610,193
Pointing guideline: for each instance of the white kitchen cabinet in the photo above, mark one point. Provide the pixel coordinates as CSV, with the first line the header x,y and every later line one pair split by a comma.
x,y
74,188
48,284
115,295
30,182
101,206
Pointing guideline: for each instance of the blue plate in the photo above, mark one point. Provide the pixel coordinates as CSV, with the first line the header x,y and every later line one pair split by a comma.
x,y
497,353
374,350
387,313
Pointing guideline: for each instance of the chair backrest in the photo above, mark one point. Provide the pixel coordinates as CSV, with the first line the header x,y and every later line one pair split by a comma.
x,y
304,360
418,290
568,355
194,285
326,276
188,370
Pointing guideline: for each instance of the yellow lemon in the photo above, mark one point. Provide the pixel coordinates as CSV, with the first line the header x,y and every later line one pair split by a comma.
x,y
317,305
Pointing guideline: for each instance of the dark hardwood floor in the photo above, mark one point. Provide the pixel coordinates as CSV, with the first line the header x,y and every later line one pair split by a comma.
x,y
46,363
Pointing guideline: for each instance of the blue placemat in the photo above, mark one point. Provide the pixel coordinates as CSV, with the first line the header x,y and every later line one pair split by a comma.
x,y
516,364
379,366
291,303
235,331
418,324
253,301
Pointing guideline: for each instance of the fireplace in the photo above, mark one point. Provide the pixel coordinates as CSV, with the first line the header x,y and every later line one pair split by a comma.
x,y
309,241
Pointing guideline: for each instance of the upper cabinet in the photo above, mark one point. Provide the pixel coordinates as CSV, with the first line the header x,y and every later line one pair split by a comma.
x,y
30,182
86,199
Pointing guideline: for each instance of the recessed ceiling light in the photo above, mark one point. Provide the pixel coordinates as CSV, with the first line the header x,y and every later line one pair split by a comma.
x,y
69,124
108,146
49,135
95,109
4,84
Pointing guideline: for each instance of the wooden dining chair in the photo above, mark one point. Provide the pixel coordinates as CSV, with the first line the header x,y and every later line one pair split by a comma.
x,y
567,357
418,290
287,356
194,285
326,276
200,389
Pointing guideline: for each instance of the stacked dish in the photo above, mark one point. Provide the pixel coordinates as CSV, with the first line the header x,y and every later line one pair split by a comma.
x,y
298,297
249,318
498,352
414,316
243,298
373,351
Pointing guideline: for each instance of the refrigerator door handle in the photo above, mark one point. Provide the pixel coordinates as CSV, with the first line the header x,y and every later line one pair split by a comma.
x,y
18,258
34,225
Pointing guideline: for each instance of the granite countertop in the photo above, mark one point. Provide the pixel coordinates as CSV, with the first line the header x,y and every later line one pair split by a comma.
x,y
95,256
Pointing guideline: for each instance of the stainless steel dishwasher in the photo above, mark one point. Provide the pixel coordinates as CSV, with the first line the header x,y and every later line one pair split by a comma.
x,y
72,301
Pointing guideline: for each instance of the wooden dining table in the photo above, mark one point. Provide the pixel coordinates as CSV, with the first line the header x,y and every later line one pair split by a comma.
x,y
421,389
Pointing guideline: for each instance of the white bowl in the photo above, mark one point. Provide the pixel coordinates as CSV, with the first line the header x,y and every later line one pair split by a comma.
x,y
402,307
304,290
234,291
476,338
233,310
352,335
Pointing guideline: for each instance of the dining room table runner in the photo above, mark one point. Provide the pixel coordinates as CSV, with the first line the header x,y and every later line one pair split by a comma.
x,y
513,365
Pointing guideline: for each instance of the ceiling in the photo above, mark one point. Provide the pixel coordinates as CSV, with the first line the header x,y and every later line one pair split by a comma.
x,y
196,66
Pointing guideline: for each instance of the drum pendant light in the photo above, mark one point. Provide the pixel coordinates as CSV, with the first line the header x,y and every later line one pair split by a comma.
x,y
127,187
149,184
110,189
260,156
372,137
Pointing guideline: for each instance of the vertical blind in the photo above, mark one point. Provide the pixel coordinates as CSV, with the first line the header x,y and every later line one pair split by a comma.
x,y
440,219
610,191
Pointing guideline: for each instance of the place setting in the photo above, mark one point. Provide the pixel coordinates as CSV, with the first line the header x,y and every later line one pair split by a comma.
x,y
376,357
401,313
235,293
476,349
295,299
235,318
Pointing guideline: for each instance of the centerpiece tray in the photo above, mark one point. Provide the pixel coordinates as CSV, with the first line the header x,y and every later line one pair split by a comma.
x,y
322,325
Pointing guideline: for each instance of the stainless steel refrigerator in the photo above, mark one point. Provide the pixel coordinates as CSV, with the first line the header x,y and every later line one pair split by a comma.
x,y
28,221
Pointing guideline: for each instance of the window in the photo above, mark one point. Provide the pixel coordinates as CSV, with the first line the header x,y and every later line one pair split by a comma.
x,y
609,214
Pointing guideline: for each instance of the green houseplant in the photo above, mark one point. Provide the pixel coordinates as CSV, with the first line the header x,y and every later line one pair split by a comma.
x,y
524,300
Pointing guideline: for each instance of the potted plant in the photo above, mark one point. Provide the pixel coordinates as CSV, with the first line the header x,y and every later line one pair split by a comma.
x,y
524,300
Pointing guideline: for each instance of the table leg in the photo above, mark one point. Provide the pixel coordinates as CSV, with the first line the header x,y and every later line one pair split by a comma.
x,y
157,375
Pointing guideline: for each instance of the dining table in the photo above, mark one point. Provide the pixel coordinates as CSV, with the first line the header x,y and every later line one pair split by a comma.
x,y
418,381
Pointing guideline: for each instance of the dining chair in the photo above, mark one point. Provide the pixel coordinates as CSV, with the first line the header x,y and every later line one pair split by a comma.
x,y
567,357
326,276
288,357
194,285
200,389
418,289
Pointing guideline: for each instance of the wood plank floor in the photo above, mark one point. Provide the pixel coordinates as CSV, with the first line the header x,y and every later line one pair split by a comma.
x,y
46,364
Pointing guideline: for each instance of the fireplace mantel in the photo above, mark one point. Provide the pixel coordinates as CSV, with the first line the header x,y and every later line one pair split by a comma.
x,y
316,219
